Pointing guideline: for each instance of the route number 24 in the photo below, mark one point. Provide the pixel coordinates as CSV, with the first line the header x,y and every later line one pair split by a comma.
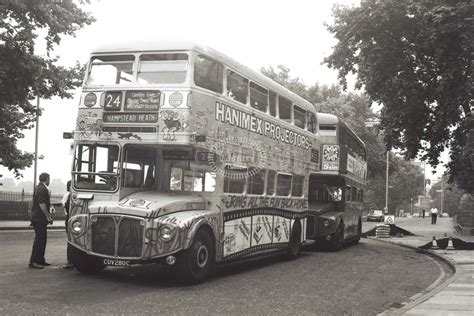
x,y
113,100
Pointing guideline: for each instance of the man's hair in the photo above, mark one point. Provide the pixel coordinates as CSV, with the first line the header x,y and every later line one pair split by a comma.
x,y
43,177
68,185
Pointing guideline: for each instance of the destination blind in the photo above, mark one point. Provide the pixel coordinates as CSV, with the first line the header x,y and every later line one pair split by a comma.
x,y
142,100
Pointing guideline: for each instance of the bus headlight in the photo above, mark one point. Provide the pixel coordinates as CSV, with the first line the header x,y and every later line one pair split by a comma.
x,y
76,227
166,233
326,223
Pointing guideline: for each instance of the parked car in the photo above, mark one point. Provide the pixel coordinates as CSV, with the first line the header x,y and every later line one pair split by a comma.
x,y
376,216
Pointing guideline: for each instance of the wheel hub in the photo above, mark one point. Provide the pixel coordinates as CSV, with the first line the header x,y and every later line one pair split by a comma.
x,y
202,256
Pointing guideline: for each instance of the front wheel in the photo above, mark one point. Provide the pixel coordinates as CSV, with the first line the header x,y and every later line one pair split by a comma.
x,y
359,232
337,240
83,262
294,244
196,264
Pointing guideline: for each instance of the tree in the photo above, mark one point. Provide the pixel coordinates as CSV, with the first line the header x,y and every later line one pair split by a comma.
x,y
415,59
407,182
25,75
282,76
451,197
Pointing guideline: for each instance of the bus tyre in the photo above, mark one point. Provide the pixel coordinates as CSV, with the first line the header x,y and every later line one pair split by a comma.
x,y
294,244
359,231
337,240
83,262
196,264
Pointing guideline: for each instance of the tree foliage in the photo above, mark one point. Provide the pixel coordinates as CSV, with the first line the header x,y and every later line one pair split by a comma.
x,y
451,197
25,75
415,59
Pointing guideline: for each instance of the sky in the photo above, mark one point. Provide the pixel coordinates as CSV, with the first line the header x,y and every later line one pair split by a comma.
x,y
255,33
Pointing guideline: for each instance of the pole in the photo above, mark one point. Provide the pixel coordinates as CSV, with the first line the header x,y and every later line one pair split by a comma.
x,y
36,143
442,197
386,185
424,179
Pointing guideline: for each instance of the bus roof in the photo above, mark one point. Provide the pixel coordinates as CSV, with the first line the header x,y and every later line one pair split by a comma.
x,y
153,46
331,119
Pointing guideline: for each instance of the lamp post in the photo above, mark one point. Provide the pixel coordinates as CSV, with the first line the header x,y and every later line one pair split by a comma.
x,y
36,143
386,183
441,196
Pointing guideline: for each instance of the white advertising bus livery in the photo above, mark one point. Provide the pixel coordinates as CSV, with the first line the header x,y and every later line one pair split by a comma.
x,y
187,157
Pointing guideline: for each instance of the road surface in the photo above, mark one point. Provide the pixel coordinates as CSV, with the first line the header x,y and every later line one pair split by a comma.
x,y
360,280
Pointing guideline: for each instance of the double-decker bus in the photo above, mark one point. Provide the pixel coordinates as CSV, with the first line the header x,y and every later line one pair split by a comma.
x,y
184,156
336,191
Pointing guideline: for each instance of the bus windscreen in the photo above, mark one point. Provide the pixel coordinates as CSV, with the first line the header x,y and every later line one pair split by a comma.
x,y
110,70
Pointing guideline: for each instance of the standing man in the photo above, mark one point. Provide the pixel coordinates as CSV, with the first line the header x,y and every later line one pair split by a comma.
x,y
423,212
434,215
66,203
39,220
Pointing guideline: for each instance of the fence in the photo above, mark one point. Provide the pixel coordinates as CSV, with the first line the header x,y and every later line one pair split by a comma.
x,y
25,196
465,222
17,205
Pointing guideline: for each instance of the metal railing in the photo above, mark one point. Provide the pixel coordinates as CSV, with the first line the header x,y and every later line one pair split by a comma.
x,y
25,197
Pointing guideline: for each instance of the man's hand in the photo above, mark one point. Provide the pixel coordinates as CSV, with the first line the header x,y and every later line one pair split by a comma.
x,y
50,220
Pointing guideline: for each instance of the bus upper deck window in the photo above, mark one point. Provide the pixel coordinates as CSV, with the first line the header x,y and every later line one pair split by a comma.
x,y
237,87
312,123
284,108
163,68
208,74
299,116
258,97
110,70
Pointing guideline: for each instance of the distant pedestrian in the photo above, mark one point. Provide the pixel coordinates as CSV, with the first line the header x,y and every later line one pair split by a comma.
x,y
66,203
423,213
434,215
40,218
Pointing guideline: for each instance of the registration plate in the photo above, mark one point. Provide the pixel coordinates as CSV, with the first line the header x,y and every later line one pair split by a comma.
x,y
117,262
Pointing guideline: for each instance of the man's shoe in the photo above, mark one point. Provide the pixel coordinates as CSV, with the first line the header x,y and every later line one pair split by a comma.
x,y
35,265
45,264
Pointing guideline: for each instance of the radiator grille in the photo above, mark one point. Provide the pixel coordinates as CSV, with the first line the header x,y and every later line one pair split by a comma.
x,y
105,230
130,240
310,229
103,236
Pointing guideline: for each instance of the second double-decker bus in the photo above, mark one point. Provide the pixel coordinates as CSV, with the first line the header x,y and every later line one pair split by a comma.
x,y
336,191
184,156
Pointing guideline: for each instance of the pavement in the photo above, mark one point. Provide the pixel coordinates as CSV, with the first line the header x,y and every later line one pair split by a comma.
x,y
454,296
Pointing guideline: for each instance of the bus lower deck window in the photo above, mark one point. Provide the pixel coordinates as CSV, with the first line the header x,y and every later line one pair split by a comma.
x,y
283,184
234,179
